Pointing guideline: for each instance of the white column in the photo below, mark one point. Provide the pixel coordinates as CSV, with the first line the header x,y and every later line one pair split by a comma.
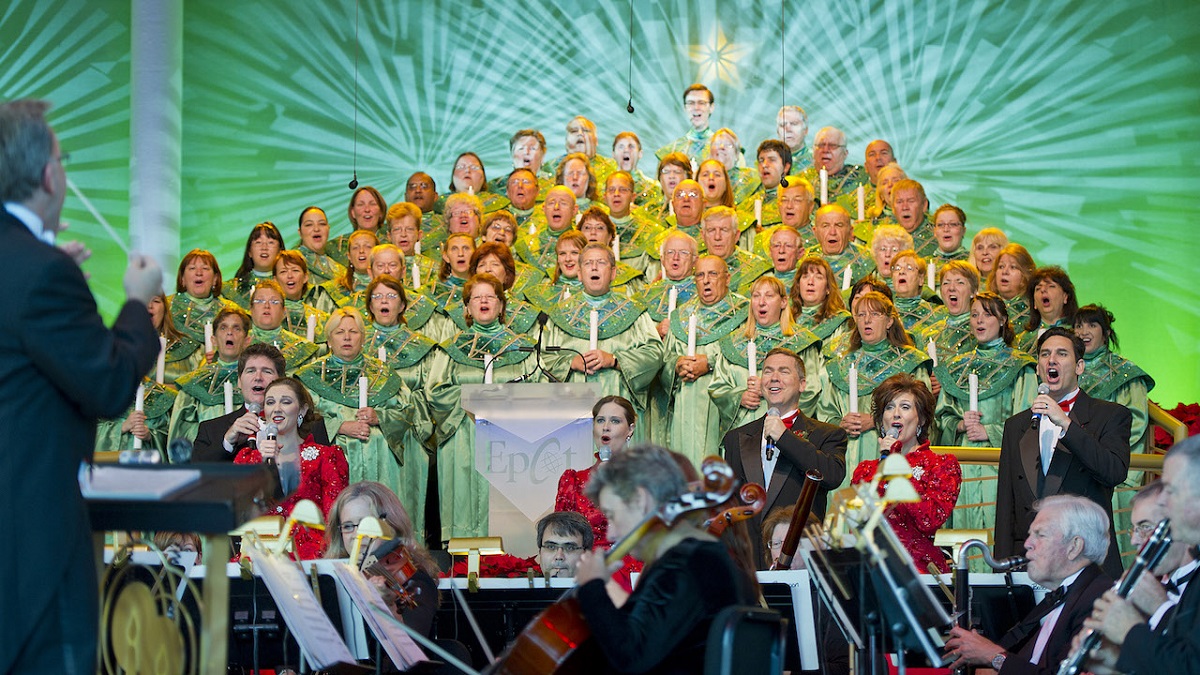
x,y
155,130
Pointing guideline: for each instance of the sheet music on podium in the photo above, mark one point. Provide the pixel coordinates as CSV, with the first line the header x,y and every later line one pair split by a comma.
x,y
314,632
403,651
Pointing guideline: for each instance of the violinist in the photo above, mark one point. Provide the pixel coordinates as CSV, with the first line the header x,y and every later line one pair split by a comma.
x,y
368,498
688,576
562,536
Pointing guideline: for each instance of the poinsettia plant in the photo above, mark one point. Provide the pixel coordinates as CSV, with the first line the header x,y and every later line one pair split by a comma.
x,y
1189,414
499,566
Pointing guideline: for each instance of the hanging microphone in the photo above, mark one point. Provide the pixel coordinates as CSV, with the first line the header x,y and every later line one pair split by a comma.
x,y
629,108
773,412
1037,417
353,181
783,182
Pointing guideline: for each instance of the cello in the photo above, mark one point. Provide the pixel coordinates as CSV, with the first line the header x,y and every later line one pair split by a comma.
x,y
558,640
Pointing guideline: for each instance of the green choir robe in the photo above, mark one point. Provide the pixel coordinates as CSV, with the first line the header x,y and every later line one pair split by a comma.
x,y
856,256
842,187
519,316
875,363
159,400
182,357
410,354
238,291
296,319
744,181
693,418
1007,384
638,233
403,419
625,330
745,267
296,350
951,336
202,397
539,250
492,201
321,267
733,369
462,490
917,314
190,314
344,297
694,144
1018,311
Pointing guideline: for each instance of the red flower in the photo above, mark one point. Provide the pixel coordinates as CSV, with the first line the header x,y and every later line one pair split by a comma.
x,y
499,566
1188,414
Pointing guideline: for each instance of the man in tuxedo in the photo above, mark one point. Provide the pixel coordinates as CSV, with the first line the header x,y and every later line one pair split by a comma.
x,y
1066,443
1174,646
220,439
1067,542
777,450
60,370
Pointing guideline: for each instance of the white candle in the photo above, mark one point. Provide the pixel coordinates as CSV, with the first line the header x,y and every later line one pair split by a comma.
x,y
578,217
593,329
470,189
362,391
532,227
617,246
228,397
672,300
973,382
846,278
824,187
930,275
160,368
691,345
752,358
853,377
862,197
311,330
758,212
670,208
416,276
383,353
208,337
566,293
417,248
488,360
139,405
931,350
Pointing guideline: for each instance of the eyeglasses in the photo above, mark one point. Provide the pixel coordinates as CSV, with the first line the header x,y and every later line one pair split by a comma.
x,y
618,189
1145,529
777,543
570,547
467,167
829,146
523,182
348,528
690,194
418,186
905,268
491,298
385,296
64,157
677,253
696,103
598,262
263,301
459,213
863,316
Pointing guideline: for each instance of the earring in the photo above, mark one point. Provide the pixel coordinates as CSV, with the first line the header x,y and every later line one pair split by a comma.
x,y
920,428
300,419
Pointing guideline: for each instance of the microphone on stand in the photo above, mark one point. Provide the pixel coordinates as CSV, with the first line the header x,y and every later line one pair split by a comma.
x,y
1037,417
772,412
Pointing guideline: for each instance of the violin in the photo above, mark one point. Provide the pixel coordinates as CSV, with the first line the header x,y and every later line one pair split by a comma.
x,y
559,640
753,498
394,565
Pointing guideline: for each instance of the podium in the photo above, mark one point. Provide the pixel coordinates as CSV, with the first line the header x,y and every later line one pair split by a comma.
x,y
224,497
526,435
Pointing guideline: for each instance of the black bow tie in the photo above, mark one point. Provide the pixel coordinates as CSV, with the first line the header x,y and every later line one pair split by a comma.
x,y
1176,587
1033,620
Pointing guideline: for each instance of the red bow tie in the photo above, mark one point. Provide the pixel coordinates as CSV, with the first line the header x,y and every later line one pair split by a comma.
x,y
790,420
1066,405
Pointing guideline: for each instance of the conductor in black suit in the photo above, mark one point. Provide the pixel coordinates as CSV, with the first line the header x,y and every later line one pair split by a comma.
x,y
777,450
1067,541
60,370
1173,647
1080,446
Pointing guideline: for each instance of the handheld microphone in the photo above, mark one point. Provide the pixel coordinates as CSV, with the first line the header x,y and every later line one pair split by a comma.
x,y
272,433
1043,388
894,434
257,409
605,453
772,412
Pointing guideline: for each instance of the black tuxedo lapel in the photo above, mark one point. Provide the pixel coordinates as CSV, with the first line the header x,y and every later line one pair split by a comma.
x,y
1060,463
750,447
1031,453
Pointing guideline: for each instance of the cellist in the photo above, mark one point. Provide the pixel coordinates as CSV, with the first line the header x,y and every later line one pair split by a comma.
x,y
688,574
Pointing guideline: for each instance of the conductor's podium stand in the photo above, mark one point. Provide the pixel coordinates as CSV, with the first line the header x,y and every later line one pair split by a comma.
x,y
214,500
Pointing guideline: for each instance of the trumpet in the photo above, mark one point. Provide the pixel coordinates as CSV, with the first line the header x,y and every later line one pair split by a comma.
x,y
1148,557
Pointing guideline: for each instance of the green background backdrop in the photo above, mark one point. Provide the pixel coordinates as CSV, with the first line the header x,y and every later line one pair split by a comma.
x,y
1071,125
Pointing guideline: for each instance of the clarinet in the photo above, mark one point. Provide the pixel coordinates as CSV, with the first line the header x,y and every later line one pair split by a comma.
x,y
1149,556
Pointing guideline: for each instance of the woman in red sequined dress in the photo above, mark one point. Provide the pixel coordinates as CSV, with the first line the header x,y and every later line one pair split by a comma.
x,y
307,470
905,404
613,419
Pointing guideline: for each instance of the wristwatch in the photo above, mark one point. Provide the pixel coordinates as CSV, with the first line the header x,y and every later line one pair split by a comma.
x,y
998,661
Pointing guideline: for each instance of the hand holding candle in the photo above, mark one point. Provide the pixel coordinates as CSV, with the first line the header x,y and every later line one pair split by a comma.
x,y
691,337
752,358
973,384
208,337
160,368
593,329
362,391
139,405
672,300
853,378
488,361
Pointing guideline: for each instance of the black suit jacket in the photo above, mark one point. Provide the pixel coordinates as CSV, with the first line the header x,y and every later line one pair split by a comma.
x,y
1077,606
60,370
209,445
1174,648
820,446
1090,460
